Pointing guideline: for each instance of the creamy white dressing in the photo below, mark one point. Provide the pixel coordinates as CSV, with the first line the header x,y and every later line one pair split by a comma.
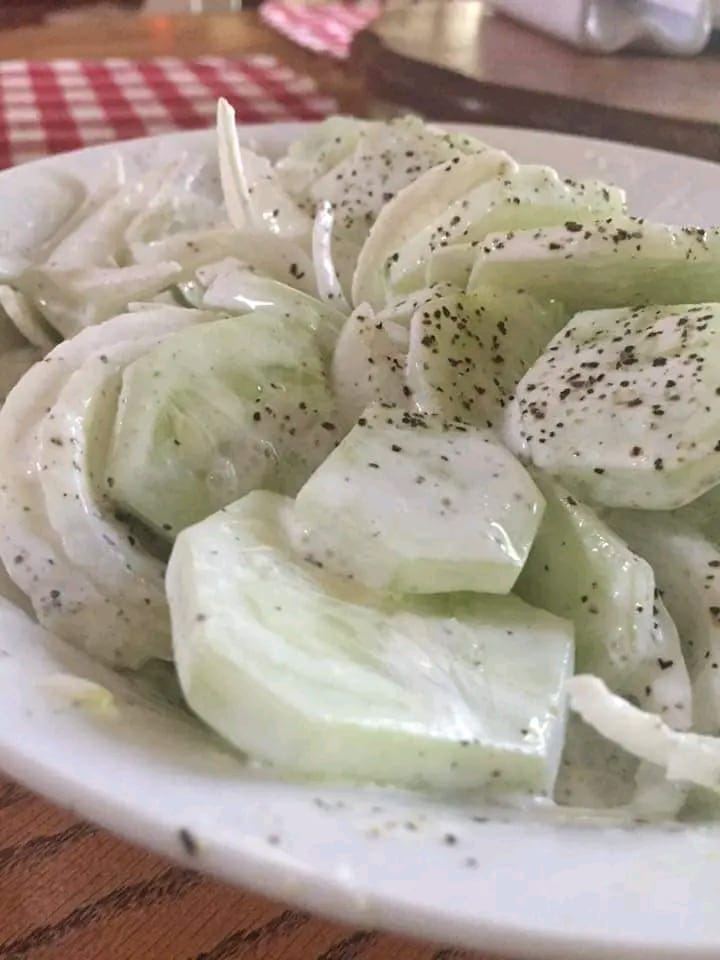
x,y
361,620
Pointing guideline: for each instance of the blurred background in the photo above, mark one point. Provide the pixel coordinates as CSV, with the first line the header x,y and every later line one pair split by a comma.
x,y
33,11
77,72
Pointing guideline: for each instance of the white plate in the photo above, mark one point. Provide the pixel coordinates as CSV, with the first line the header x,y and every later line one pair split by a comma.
x,y
522,887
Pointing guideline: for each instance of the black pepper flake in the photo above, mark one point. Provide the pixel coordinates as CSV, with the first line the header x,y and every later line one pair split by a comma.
x,y
296,272
450,839
188,842
665,664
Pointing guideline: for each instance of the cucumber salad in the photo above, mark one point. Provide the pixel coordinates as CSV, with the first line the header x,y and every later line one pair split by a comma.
x,y
404,454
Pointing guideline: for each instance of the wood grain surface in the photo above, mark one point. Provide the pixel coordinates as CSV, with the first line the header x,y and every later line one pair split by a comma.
x,y
71,891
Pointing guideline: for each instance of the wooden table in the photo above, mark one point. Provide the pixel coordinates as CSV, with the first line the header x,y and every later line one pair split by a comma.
x,y
455,60
72,891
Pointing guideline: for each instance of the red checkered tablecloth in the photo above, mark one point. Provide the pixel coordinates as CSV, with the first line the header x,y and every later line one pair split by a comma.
x,y
50,107
323,27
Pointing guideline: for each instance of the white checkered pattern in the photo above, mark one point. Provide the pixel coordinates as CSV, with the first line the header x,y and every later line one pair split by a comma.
x,y
323,27
65,104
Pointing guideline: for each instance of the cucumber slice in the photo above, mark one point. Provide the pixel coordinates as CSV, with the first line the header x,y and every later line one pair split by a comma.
x,y
519,199
369,364
235,288
468,352
370,359
71,300
309,157
622,406
316,675
452,264
67,599
411,210
71,447
401,310
216,411
579,569
97,236
611,263
280,259
412,505
687,567
35,225
387,157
